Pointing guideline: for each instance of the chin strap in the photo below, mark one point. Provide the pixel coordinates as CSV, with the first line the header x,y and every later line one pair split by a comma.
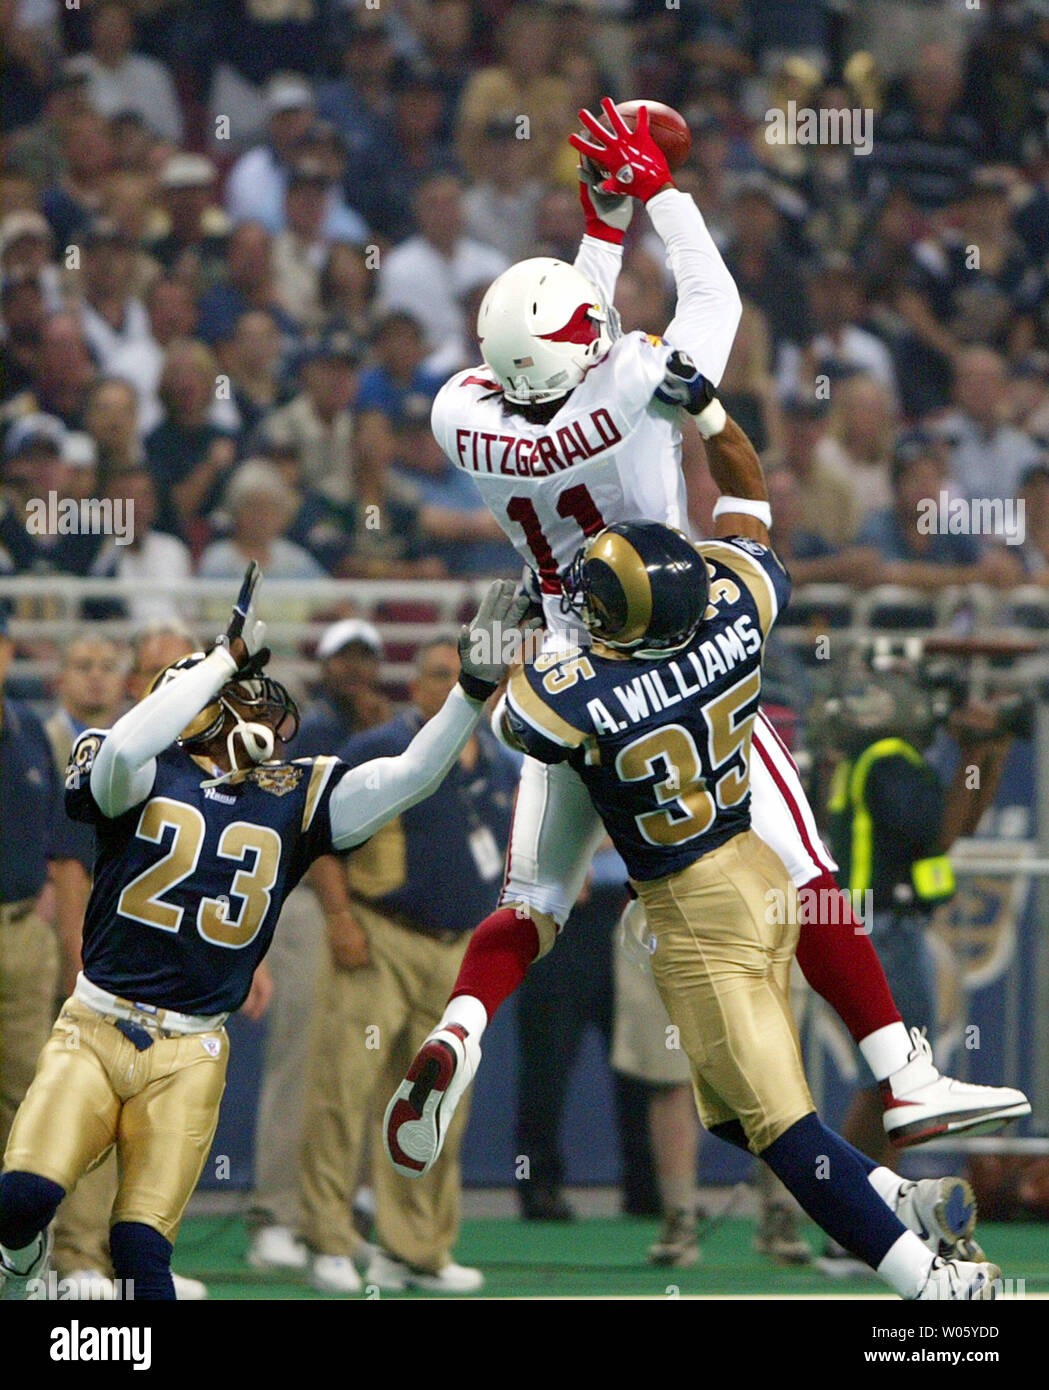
x,y
258,743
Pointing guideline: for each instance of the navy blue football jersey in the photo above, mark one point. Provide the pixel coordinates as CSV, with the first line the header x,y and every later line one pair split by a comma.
x,y
663,745
188,885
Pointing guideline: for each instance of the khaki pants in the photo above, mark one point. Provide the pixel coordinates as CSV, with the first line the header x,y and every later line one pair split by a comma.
x,y
297,959
721,962
28,980
368,1027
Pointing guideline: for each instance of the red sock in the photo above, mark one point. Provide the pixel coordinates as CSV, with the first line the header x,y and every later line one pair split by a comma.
x,y
497,958
840,963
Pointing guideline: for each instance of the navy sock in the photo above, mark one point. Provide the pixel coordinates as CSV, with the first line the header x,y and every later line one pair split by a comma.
x,y
142,1257
28,1204
732,1132
823,1172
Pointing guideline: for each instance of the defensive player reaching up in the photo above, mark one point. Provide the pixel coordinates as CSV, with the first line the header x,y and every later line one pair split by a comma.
x,y
568,427
656,718
201,836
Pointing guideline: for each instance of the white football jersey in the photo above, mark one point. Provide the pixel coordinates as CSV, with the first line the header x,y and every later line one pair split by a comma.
x,y
611,453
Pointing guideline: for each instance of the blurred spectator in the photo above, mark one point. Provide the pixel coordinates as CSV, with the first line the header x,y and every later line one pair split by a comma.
x,y
113,319
193,244
429,274
121,80
252,360
134,143
388,540
986,454
261,505
359,103
151,555
153,648
299,251
189,456
764,269
33,467
172,314
808,557
974,282
247,284
500,209
257,184
26,250
396,380
444,26
321,525
1029,397
318,421
840,346
111,420
24,315
920,556
389,194
525,82
347,289
258,181
828,508
348,697
461,530
1034,553
128,203
860,439
923,140
37,150
88,157
66,370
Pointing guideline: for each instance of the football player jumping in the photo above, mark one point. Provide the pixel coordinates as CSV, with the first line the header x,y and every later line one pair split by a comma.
x,y
655,717
202,834
570,426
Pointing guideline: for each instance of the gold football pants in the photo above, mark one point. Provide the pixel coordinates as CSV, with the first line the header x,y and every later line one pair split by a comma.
x,y
94,1089
721,962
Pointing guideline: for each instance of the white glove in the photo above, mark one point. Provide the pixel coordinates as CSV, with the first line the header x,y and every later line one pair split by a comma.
x,y
484,651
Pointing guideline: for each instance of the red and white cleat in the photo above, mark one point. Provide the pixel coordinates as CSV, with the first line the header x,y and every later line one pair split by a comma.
x,y
920,1103
418,1116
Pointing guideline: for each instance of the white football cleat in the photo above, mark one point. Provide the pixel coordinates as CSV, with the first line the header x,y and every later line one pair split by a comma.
x,y
277,1247
920,1103
189,1290
393,1275
942,1213
960,1279
418,1116
31,1265
335,1274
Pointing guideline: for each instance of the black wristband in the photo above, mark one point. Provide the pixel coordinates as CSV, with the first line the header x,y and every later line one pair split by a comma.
x,y
475,687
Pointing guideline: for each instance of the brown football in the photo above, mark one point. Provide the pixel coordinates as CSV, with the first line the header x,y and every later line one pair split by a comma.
x,y
668,128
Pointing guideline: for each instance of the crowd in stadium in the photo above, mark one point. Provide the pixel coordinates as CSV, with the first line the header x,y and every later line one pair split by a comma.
x,y
242,245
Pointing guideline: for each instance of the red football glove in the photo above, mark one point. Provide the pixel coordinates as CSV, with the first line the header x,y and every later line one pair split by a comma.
x,y
635,163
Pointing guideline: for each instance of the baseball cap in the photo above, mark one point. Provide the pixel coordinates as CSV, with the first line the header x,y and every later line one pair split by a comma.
x,y
17,225
348,630
79,450
33,430
188,171
287,91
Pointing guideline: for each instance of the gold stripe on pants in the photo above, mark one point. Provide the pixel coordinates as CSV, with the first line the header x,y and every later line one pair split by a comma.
x,y
722,962
369,1025
160,1106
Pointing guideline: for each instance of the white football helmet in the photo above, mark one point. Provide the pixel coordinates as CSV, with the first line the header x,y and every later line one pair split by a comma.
x,y
542,326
